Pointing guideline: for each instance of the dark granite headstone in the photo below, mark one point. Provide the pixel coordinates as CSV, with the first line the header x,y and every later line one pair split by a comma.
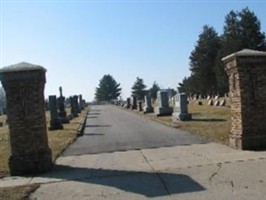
x,y
74,112
61,107
76,104
55,122
128,103
80,102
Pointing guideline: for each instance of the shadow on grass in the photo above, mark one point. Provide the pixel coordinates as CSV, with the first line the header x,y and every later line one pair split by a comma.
x,y
149,184
197,113
209,120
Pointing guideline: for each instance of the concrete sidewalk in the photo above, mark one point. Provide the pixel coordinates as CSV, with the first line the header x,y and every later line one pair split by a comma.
x,y
200,171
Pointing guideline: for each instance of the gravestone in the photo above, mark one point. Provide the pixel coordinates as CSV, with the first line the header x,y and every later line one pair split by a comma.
x,y
200,97
216,103
84,103
81,107
74,112
134,103
61,107
181,108
76,104
128,103
148,107
24,87
210,102
163,108
246,71
222,102
55,122
140,108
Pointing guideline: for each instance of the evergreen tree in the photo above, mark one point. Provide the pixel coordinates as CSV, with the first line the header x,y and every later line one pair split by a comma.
x,y
202,61
138,89
188,85
154,89
108,89
241,31
251,35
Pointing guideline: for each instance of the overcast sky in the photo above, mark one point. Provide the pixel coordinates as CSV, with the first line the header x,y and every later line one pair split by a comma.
x,y
80,41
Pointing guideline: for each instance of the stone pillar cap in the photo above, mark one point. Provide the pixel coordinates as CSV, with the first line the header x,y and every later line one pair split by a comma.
x,y
23,66
244,53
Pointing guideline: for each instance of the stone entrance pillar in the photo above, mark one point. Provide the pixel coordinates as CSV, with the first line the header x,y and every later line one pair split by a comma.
x,y
246,70
24,87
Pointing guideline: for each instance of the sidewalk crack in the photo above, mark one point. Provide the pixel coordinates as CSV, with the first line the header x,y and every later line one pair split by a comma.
x,y
216,173
157,173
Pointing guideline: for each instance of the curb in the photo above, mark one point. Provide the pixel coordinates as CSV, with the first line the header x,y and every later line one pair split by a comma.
x,y
80,130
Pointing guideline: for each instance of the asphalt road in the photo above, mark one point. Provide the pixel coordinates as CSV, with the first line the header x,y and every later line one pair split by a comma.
x,y
110,129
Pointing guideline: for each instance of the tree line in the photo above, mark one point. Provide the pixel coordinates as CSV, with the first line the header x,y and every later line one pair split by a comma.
x,y
109,89
242,30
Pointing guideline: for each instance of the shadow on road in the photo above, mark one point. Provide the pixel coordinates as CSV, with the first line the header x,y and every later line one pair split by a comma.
x,y
94,113
95,110
92,117
149,184
93,134
94,126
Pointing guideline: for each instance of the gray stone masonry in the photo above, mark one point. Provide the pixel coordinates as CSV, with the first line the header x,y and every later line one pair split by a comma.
x,y
24,87
181,108
148,106
163,108
246,70
55,122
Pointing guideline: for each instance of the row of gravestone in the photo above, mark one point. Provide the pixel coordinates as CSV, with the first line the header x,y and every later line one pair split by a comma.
x,y
203,97
180,110
58,112
213,102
